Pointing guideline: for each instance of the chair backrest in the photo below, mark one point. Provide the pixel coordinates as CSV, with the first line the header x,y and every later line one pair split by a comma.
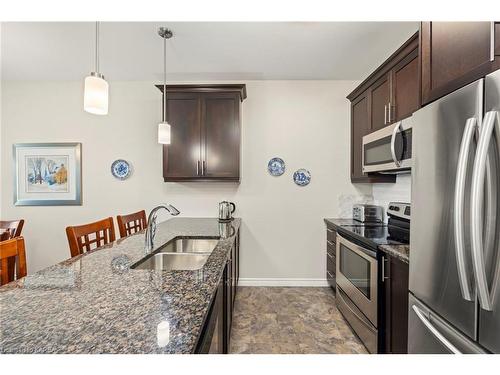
x,y
131,223
12,251
82,238
14,227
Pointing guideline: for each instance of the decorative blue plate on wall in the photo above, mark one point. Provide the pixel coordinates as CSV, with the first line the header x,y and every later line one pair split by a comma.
x,y
276,166
121,169
302,177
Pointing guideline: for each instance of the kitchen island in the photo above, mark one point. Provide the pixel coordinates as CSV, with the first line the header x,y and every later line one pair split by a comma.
x,y
95,303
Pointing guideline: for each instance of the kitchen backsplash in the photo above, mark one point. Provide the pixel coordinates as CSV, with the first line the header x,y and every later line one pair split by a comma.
x,y
346,201
400,191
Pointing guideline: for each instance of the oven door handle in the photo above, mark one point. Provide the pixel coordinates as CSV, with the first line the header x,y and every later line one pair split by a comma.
x,y
397,126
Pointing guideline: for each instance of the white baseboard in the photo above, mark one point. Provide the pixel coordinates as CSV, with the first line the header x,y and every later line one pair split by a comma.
x,y
282,282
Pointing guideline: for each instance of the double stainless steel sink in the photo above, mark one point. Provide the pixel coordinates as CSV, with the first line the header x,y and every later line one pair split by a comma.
x,y
181,253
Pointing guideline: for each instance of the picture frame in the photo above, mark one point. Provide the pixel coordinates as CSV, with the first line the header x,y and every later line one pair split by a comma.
x,y
47,174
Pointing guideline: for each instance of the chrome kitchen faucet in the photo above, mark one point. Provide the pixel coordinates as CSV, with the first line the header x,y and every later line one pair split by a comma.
x,y
151,228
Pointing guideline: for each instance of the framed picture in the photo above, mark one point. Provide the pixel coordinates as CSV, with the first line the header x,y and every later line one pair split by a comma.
x,y
47,174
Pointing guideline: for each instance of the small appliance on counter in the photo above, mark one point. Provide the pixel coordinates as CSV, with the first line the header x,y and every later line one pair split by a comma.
x,y
226,210
367,213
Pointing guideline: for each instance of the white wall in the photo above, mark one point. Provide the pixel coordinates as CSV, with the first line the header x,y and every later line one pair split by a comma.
x,y
304,122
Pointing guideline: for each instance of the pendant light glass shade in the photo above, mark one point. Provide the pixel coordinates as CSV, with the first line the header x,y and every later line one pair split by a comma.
x,y
164,133
96,91
96,95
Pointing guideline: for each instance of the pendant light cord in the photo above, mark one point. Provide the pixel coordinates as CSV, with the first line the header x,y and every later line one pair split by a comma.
x,y
164,79
97,47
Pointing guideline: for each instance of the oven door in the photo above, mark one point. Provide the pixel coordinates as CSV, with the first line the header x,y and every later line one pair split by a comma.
x,y
357,277
388,149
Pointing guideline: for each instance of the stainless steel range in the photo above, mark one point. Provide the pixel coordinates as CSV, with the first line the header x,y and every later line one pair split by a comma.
x,y
358,270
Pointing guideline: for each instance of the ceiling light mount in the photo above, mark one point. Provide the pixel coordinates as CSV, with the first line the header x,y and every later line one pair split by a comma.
x,y
165,32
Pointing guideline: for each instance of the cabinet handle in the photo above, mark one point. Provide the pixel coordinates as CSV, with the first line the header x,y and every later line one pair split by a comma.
x,y
492,41
383,278
198,168
203,168
389,116
385,114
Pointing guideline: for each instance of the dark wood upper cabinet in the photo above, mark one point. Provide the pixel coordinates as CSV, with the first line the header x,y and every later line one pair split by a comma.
x,y
182,158
454,54
389,94
405,87
221,135
380,97
205,132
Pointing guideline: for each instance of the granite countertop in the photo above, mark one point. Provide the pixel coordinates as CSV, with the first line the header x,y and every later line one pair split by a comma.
x,y
95,303
402,252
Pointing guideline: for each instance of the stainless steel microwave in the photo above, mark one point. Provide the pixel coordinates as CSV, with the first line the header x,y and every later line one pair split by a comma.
x,y
388,150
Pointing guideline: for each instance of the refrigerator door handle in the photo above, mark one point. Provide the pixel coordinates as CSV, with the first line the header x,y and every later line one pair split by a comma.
x,y
397,126
435,331
491,122
468,136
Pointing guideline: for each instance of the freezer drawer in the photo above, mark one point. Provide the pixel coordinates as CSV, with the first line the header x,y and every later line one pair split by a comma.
x,y
430,334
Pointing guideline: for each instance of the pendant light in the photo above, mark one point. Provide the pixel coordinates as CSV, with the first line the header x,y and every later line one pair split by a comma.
x,y
164,126
95,98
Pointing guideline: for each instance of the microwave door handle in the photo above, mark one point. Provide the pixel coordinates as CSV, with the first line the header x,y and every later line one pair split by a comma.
x,y
393,144
491,119
468,136
435,331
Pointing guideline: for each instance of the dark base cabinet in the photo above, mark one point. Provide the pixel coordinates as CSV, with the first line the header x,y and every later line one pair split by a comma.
x,y
216,334
331,253
395,305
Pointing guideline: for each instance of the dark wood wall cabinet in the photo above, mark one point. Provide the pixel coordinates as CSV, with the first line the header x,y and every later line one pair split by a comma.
x,y
454,54
216,333
395,278
205,132
388,95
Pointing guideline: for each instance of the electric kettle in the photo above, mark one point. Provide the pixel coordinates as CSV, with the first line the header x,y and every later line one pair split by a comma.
x,y
226,210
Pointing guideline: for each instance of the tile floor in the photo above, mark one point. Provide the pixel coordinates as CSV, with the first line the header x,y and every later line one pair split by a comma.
x,y
276,320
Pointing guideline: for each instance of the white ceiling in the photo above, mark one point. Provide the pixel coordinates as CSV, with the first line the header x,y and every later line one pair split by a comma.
x,y
132,51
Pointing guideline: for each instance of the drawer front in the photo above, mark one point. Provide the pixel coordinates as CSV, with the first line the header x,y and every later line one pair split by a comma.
x,y
331,235
330,270
331,248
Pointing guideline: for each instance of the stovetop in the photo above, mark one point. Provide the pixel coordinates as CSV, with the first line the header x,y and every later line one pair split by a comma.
x,y
376,233
370,235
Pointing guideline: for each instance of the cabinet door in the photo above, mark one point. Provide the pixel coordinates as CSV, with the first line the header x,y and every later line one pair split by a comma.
x,y
379,102
453,55
221,136
396,276
182,158
359,128
228,311
405,87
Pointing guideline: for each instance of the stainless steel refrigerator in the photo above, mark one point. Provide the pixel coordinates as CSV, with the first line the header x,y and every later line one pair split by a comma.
x,y
454,301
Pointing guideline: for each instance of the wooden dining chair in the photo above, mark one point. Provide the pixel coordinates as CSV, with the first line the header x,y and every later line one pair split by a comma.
x,y
12,249
131,223
13,227
83,238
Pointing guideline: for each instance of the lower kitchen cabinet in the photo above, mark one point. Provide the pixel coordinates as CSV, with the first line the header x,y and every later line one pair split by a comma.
x,y
331,253
395,305
216,334
212,337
